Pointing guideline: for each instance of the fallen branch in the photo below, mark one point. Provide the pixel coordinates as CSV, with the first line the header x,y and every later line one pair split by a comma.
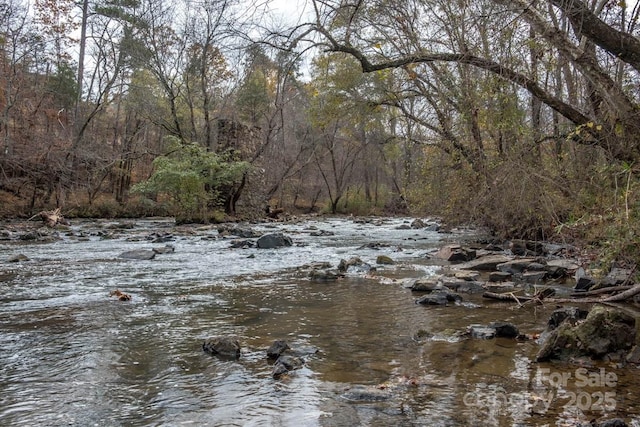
x,y
510,296
51,218
601,291
623,296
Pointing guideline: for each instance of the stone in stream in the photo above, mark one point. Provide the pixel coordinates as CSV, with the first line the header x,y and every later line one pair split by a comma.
x,y
138,254
384,259
354,265
328,275
226,347
439,297
455,253
485,263
277,348
362,393
285,364
493,330
18,258
273,240
166,249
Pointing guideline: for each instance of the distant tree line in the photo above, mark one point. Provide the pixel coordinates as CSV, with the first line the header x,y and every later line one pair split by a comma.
x,y
519,115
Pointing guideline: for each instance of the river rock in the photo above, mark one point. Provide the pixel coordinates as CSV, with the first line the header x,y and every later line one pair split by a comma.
x,y
493,330
322,233
384,260
354,265
584,283
499,287
618,276
561,267
241,244
18,258
515,266
485,263
570,314
455,253
274,240
324,275
463,286
285,364
227,347
367,394
418,223
505,329
534,276
138,254
277,348
605,331
426,284
166,249
527,248
499,276
481,332
243,232
439,297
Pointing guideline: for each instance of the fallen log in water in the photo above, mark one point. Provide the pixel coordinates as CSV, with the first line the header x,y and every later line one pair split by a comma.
x,y
628,292
611,289
52,218
511,296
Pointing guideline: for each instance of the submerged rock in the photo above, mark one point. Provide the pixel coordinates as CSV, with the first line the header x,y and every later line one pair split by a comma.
x,y
224,347
367,394
138,254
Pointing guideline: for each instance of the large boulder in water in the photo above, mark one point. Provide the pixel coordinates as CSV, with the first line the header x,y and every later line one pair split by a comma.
x,y
274,240
606,332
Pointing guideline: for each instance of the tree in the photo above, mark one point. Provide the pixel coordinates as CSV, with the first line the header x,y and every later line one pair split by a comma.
x,y
343,120
617,131
191,178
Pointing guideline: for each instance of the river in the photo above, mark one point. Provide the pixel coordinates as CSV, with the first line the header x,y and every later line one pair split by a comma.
x,y
72,356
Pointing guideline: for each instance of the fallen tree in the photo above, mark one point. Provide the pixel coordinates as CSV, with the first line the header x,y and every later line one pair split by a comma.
x,y
52,218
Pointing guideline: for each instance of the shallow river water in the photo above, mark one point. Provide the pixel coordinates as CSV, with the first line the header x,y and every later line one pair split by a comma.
x,y
72,356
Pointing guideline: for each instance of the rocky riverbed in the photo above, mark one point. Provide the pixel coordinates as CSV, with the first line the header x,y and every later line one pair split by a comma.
x,y
319,321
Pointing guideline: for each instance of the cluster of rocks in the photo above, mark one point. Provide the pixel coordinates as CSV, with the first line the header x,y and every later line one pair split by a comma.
x,y
284,359
30,234
250,238
571,334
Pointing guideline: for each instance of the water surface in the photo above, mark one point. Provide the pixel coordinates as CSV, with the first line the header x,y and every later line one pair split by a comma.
x,y
72,356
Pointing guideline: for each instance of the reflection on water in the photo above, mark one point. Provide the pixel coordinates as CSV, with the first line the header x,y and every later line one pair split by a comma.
x,y
72,356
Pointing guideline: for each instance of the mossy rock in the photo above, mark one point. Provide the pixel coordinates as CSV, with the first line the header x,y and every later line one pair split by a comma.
x,y
604,331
